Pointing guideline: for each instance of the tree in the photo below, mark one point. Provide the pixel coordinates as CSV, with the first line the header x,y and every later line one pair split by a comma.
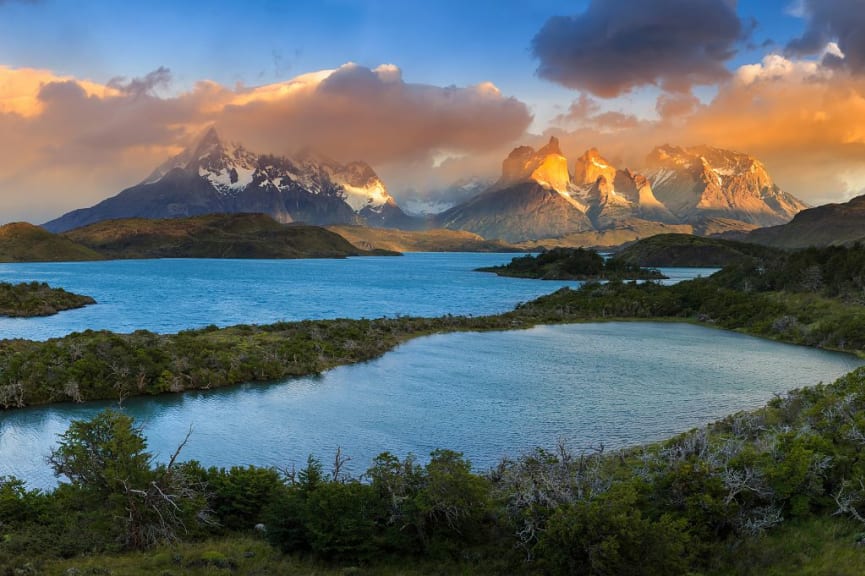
x,y
106,462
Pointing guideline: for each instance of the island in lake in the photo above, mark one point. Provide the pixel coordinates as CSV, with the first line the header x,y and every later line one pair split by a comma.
x,y
30,299
573,264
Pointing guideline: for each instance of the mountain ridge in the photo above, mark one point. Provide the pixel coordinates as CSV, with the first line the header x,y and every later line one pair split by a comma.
x,y
693,188
214,176
826,225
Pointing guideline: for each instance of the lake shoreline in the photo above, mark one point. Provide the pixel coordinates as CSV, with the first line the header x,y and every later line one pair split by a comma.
x,y
220,357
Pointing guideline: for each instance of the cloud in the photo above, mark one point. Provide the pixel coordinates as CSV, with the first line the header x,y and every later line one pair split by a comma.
x,y
618,45
839,21
138,86
77,142
671,106
803,118
586,112
358,113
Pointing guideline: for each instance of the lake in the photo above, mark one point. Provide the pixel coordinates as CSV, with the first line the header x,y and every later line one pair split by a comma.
x,y
170,295
488,395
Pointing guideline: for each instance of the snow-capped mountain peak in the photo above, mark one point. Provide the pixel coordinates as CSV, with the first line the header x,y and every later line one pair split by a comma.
x,y
213,175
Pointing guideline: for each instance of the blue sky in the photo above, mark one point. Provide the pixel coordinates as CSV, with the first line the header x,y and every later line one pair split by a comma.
x,y
258,42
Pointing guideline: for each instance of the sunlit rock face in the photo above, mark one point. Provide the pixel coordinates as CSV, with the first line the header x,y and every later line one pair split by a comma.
x,y
612,196
530,201
590,166
547,166
702,182
703,190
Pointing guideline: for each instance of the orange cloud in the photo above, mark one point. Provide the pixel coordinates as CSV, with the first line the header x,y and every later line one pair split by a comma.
x,y
19,88
75,142
803,118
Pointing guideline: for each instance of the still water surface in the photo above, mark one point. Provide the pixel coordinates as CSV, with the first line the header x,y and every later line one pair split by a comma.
x,y
488,395
171,295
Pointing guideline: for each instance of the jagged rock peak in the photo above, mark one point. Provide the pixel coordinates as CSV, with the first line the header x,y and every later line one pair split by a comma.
x,y
546,166
591,166
208,142
552,147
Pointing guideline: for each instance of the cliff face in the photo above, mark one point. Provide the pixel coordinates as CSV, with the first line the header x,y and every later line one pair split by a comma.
x,y
705,182
546,166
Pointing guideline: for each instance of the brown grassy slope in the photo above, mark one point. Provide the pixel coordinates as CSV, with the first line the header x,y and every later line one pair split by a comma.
x,y
212,236
23,242
437,240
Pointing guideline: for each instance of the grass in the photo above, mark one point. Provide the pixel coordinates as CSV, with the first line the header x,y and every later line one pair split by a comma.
x,y
23,242
818,546
241,555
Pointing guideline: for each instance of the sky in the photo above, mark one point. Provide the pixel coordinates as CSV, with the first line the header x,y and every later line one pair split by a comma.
x,y
95,94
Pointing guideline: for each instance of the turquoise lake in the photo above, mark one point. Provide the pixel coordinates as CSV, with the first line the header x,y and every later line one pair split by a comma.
x,y
488,395
171,295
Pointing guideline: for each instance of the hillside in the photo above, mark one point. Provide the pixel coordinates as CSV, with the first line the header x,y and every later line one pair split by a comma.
x,y
831,224
685,250
212,236
23,242
609,238
524,211
436,240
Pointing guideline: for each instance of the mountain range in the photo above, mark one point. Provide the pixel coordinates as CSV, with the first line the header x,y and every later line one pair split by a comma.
x,y
213,176
688,190
537,200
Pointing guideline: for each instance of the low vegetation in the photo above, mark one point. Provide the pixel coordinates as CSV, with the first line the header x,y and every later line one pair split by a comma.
x,y
37,299
812,297
572,264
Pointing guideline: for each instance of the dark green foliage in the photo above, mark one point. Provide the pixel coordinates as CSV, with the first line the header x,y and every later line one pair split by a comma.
x,y
241,495
124,499
611,535
572,264
404,508
37,299
669,508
